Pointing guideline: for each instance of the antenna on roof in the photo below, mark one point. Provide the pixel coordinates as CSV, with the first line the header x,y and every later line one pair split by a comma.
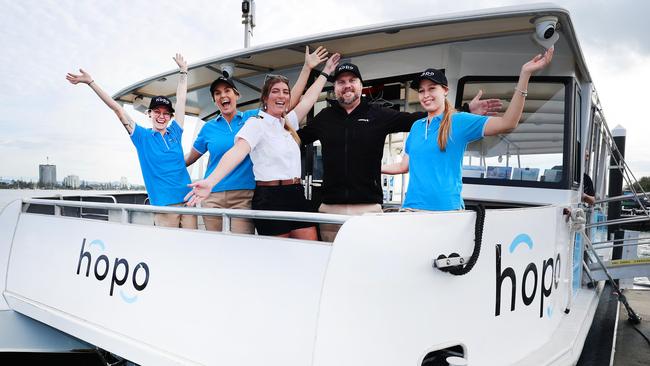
x,y
248,19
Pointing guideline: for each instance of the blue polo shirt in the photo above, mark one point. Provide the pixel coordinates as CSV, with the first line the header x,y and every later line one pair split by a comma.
x,y
217,136
435,177
162,163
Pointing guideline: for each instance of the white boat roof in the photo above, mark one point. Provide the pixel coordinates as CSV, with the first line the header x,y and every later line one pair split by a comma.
x,y
358,41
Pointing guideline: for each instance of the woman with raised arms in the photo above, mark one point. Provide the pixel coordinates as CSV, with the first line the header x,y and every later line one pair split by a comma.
x,y
436,144
159,148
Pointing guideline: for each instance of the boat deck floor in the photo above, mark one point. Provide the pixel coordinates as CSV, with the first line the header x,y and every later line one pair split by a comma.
x,y
631,349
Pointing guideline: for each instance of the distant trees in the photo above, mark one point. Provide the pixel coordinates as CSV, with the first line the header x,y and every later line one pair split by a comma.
x,y
644,183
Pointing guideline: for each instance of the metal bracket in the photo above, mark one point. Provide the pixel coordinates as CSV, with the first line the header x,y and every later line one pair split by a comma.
x,y
450,262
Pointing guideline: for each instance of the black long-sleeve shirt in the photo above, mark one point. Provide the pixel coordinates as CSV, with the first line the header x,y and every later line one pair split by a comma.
x,y
353,145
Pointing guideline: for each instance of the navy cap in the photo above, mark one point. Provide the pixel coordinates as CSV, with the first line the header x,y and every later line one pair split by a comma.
x,y
347,67
224,80
434,75
161,101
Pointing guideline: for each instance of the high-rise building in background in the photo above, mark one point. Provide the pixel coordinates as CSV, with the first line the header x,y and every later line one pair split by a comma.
x,y
71,181
47,175
124,183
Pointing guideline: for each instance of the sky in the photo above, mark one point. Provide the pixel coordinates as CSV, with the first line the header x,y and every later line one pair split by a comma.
x,y
121,42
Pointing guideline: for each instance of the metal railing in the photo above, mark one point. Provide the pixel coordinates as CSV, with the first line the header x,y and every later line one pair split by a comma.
x,y
226,214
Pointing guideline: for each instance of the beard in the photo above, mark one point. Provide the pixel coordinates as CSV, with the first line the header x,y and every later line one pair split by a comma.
x,y
348,100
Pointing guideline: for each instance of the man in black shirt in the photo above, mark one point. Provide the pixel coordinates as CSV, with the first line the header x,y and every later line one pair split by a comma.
x,y
588,192
352,134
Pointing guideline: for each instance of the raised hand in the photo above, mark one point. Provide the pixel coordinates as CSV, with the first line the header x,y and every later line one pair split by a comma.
x,y
315,58
332,63
200,191
538,62
487,107
180,61
75,79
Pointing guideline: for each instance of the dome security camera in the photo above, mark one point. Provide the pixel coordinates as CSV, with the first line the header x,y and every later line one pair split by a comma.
x,y
227,69
546,31
545,27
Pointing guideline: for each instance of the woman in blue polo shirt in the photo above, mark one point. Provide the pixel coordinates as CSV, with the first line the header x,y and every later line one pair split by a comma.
x,y
159,148
436,144
217,137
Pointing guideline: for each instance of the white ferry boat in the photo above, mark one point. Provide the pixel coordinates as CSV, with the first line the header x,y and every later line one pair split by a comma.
x,y
97,270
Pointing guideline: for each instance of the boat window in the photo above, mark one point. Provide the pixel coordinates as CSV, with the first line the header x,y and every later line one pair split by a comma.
x,y
532,154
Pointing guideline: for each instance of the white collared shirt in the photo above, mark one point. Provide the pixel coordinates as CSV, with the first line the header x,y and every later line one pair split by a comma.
x,y
274,152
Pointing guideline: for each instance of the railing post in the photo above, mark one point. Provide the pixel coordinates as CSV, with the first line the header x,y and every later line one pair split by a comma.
x,y
616,188
225,223
125,217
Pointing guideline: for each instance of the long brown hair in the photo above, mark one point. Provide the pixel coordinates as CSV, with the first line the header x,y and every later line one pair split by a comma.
x,y
266,90
445,126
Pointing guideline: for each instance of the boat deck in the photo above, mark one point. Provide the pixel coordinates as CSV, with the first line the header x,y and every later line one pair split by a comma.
x,y
631,349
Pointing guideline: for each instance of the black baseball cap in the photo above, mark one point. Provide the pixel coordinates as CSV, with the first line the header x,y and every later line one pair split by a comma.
x,y
225,80
435,75
347,67
161,101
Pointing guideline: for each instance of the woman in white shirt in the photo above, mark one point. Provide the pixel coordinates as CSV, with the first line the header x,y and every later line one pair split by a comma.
x,y
271,140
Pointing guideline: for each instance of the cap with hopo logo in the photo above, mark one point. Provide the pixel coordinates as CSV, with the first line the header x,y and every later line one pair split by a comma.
x,y
347,67
434,75
161,101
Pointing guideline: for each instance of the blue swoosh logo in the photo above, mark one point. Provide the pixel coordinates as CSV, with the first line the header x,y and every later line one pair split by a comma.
x,y
519,240
99,243
128,299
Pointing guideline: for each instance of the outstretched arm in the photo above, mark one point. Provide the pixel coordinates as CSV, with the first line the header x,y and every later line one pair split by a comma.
x,y
510,119
311,96
201,189
85,78
311,60
397,168
181,90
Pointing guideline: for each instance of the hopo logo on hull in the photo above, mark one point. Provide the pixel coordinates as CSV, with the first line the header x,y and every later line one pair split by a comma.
x,y
117,268
541,282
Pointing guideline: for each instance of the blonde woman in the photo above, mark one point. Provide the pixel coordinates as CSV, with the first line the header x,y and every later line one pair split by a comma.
x,y
436,144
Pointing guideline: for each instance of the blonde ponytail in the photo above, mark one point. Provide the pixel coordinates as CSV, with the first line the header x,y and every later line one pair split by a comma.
x,y
445,126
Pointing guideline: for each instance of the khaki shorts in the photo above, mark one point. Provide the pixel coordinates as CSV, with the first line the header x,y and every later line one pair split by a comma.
x,y
239,199
175,220
328,231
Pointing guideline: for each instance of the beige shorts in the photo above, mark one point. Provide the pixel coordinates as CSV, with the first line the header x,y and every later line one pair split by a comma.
x,y
238,199
175,220
328,231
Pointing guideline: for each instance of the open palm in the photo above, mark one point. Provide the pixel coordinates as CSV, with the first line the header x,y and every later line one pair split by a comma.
x,y
538,62
75,79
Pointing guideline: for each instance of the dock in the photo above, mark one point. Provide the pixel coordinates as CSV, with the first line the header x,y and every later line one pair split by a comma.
x,y
631,349
612,340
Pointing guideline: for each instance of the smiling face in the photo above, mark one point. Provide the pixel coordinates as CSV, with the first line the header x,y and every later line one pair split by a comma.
x,y
160,117
432,96
347,89
225,98
277,100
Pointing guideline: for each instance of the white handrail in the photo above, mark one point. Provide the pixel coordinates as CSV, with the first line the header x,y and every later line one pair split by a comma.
x,y
251,214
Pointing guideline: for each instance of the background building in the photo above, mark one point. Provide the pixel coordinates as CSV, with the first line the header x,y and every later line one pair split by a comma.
x,y
47,175
71,181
